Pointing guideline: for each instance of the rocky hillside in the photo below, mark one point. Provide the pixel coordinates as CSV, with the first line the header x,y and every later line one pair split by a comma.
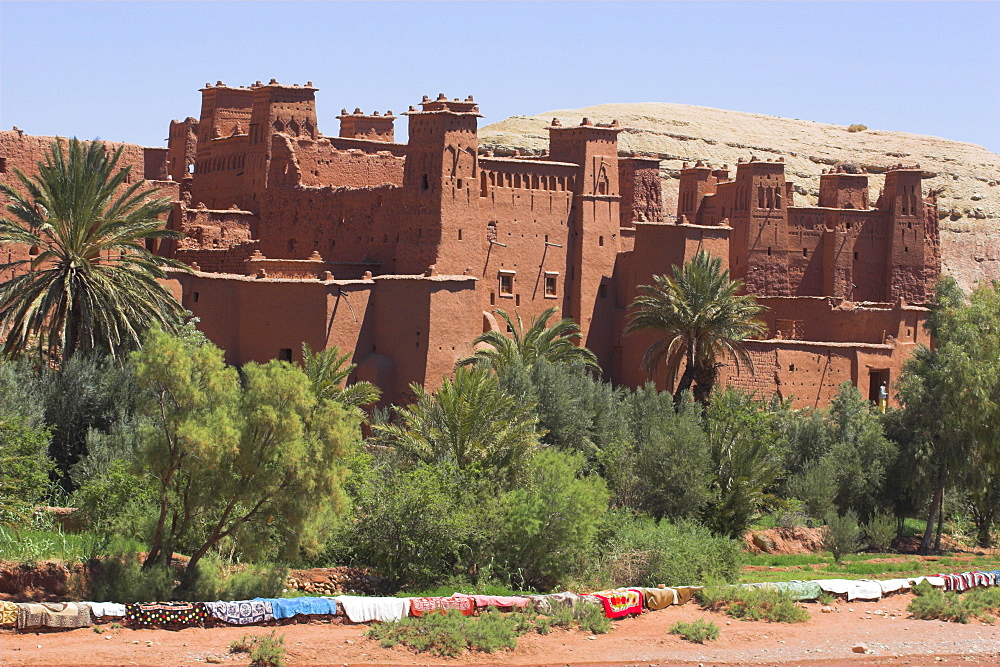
x,y
965,176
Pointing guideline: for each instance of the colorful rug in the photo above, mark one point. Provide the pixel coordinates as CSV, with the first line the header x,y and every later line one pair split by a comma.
x,y
139,615
241,612
421,606
621,602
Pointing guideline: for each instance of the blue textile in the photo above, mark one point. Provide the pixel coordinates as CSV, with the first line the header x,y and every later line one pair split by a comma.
x,y
288,607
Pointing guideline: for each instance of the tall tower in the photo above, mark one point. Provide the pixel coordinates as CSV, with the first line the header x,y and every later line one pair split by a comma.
x,y
287,109
441,193
908,252
759,244
595,224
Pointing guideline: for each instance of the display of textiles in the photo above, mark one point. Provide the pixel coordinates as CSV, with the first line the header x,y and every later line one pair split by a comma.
x,y
307,606
53,615
620,602
421,606
361,609
658,598
140,615
109,609
241,612
512,601
8,613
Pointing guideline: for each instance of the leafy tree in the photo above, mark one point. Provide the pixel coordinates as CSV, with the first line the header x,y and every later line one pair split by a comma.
x,y
666,469
951,393
236,461
328,370
24,467
469,423
843,535
701,318
576,411
555,344
550,522
747,448
92,286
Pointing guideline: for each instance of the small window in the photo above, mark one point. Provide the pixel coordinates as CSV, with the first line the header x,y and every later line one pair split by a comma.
x,y
460,235
791,367
855,256
460,184
600,240
3,165
602,291
768,251
285,354
493,298
427,183
195,298
805,253
848,225
551,284
506,283
906,248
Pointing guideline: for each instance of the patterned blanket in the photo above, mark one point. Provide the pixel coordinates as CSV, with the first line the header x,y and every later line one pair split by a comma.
x,y
139,615
241,612
421,606
307,605
8,613
513,601
621,602
53,615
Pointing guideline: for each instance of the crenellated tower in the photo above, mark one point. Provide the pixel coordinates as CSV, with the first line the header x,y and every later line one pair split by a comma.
x,y
441,194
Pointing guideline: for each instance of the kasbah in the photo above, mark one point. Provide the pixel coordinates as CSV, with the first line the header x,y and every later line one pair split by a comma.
x,y
403,252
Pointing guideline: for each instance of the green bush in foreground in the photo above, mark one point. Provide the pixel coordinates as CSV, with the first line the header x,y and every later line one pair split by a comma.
x,y
933,604
264,650
451,633
753,604
699,631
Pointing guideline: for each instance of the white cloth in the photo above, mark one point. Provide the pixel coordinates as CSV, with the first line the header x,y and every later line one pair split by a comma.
x,y
106,609
936,582
364,609
894,585
860,589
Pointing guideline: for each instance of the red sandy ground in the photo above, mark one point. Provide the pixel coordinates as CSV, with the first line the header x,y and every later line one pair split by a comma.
x,y
826,639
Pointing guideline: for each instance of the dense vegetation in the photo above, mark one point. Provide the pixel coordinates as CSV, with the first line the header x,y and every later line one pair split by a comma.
x,y
525,470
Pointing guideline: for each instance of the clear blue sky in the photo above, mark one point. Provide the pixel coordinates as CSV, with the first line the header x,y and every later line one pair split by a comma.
x,y
123,70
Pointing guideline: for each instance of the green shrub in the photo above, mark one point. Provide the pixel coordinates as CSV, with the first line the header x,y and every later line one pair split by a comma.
x,y
638,551
843,535
825,598
857,127
931,603
592,619
753,604
880,531
549,525
451,633
699,631
265,650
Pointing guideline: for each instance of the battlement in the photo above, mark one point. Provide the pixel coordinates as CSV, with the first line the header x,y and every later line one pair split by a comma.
x,y
443,104
373,127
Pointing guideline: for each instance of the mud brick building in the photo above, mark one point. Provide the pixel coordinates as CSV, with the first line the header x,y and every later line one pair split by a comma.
x,y
401,252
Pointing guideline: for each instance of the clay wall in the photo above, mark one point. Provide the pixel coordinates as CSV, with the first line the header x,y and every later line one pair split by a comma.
x,y
182,148
319,164
401,329
373,127
220,173
341,224
827,319
219,260
523,208
843,190
214,229
810,373
658,248
641,191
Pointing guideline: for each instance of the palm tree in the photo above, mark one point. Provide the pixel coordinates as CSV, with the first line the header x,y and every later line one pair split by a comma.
x,y
540,341
328,373
91,283
470,423
701,319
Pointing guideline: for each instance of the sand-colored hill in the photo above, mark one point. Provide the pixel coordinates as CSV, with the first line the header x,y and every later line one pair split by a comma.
x,y
965,176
